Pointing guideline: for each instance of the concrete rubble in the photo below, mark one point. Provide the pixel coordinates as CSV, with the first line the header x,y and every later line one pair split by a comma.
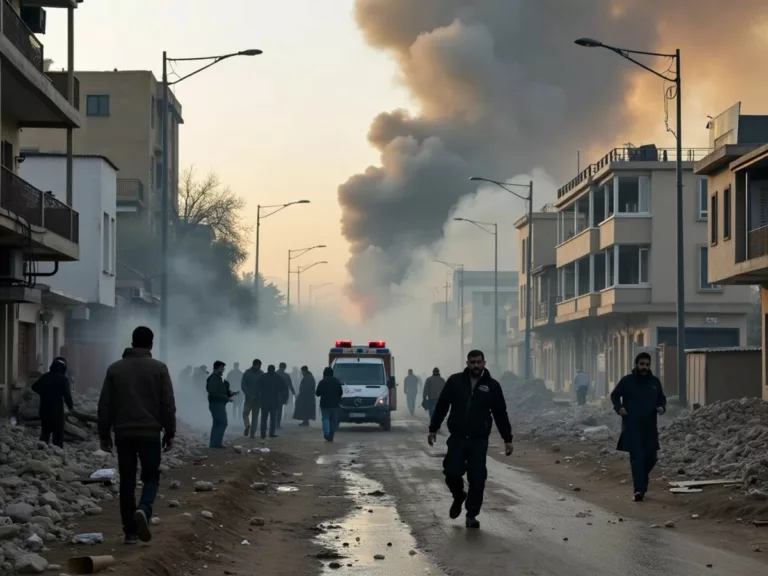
x,y
44,489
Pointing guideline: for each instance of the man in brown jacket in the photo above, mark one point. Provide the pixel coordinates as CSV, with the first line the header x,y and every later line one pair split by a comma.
x,y
137,403
432,388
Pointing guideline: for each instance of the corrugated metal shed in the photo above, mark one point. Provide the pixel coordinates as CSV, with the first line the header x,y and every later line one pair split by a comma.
x,y
724,349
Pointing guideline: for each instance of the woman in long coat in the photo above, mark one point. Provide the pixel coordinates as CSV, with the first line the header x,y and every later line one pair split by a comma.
x,y
305,401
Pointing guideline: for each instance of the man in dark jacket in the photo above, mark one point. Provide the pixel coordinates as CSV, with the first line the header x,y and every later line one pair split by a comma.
x,y
411,385
330,391
305,401
639,399
137,404
250,388
271,390
54,391
432,388
235,378
219,395
287,391
475,401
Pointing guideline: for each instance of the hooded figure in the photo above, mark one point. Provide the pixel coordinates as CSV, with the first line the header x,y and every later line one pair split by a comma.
x,y
305,401
639,399
411,385
54,391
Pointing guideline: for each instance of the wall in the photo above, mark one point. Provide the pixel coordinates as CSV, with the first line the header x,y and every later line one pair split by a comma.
x,y
94,193
44,351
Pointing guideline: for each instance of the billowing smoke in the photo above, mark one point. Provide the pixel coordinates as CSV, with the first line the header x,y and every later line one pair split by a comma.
x,y
501,89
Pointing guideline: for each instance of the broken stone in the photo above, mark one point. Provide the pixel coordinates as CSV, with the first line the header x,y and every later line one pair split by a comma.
x,y
412,552
669,524
174,485
207,514
19,512
378,557
259,486
334,565
173,504
257,521
156,520
30,564
203,486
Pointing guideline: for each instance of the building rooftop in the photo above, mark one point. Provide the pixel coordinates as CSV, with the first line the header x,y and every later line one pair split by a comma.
x,y
27,154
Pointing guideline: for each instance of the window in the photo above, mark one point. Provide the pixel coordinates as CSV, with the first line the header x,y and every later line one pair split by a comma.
x,y
152,109
610,265
97,105
713,219
486,299
727,213
633,194
704,283
106,244
641,339
703,197
633,265
523,259
159,175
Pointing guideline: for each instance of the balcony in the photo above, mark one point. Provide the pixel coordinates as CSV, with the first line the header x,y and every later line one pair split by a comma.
x,y
578,307
631,296
22,37
59,80
544,312
757,243
625,230
582,244
131,191
32,209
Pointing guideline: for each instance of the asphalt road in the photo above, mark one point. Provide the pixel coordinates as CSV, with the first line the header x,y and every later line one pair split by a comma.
x,y
527,528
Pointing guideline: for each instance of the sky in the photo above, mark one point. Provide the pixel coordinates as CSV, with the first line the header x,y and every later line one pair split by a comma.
x,y
254,120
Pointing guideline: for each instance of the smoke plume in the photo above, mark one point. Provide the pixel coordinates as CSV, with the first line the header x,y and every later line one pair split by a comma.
x,y
501,89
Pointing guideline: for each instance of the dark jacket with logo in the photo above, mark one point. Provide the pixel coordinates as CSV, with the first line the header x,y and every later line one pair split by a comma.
x,y
473,410
640,396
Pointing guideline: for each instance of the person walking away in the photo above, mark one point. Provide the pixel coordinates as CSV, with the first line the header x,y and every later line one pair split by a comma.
x,y
271,387
581,384
54,391
305,401
251,401
287,391
235,378
411,383
475,401
329,391
137,404
432,388
639,399
219,395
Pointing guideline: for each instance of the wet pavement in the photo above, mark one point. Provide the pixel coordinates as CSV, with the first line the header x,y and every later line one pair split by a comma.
x,y
527,528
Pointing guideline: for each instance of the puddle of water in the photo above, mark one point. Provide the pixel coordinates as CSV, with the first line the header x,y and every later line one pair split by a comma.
x,y
287,489
373,528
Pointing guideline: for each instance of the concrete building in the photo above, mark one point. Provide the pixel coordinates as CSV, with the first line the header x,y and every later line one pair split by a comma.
x,y
615,272
736,172
123,121
38,230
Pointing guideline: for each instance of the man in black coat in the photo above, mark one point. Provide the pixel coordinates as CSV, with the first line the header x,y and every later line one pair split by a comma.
x,y
252,398
305,401
475,401
54,391
271,390
639,399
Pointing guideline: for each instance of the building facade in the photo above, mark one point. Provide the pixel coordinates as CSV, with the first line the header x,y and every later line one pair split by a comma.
x,y
612,289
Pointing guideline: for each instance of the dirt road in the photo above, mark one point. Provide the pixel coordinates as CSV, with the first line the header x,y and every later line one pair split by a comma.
x,y
374,503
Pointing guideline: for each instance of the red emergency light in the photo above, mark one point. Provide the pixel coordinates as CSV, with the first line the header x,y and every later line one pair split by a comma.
x,y
343,343
377,344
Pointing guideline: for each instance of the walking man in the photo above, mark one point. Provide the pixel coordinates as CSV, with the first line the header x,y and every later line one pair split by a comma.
x,y
432,388
475,401
411,384
329,391
235,377
54,391
271,386
305,401
581,384
286,392
639,399
219,395
252,401
137,404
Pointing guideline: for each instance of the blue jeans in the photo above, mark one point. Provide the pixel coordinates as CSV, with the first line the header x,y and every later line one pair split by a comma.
x,y
130,452
431,404
219,427
330,421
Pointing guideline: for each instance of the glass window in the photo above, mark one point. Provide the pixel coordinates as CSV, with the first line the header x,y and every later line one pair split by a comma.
x,y
727,213
704,283
610,266
633,265
360,374
97,105
703,197
713,220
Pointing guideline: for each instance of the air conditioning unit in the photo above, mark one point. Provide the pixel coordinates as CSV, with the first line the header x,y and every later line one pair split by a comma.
x,y
34,18
137,293
11,266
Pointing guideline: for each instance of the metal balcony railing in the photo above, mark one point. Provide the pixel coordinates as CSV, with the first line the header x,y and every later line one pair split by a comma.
x,y
21,36
757,242
131,189
545,310
38,208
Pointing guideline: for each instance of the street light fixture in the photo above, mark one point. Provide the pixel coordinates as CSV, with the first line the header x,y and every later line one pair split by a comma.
x,y
299,270
459,302
528,259
313,287
678,133
493,229
213,60
292,255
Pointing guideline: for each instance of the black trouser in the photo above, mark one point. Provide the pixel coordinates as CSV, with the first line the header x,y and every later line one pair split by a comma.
x,y
641,462
466,455
52,425
581,395
130,451
269,413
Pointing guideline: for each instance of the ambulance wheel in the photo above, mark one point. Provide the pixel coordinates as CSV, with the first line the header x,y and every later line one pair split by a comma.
x,y
386,424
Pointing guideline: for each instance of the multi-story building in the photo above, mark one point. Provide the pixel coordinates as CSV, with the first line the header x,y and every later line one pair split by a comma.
x,y
615,271
736,201
38,229
123,121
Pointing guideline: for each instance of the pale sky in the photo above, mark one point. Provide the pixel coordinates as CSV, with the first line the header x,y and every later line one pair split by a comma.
x,y
286,125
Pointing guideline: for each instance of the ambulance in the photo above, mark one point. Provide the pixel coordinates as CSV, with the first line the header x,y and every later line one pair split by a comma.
x,y
367,374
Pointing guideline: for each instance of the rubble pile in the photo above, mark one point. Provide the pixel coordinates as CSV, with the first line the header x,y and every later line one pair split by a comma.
x,y
44,489
723,440
525,397
571,422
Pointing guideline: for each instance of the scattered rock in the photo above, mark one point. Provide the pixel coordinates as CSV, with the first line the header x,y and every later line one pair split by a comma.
x,y
174,485
173,504
30,564
156,520
669,524
378,557
203,486
257,521
412,552
259,486
19,512
334,565
207,514
377,493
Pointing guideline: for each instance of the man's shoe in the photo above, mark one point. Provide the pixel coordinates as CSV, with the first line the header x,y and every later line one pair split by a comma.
x,y
455,510
142,525
247,431
472,523
131,540
638,497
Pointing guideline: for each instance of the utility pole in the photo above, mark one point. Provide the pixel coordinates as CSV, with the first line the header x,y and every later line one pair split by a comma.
x,y
447,287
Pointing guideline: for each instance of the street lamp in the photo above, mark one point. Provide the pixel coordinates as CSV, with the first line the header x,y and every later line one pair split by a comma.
x,y
164,198
271,210
292,255
492,228
299,270
313,287
627,54
528,259
459,301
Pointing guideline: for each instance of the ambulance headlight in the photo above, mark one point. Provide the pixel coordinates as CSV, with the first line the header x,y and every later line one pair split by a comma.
x,y
383,399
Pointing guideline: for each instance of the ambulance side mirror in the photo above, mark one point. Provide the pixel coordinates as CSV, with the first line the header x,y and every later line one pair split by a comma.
x,y
391,382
